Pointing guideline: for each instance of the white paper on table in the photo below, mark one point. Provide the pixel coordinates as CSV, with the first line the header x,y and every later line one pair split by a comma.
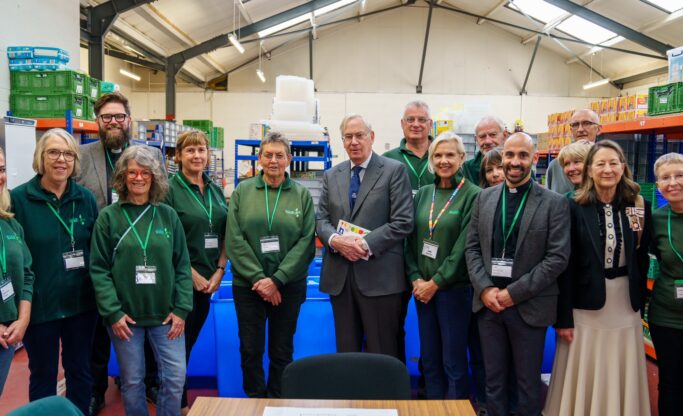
x,y
324,411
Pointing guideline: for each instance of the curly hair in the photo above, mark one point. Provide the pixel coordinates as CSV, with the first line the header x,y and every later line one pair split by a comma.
x,y
144,157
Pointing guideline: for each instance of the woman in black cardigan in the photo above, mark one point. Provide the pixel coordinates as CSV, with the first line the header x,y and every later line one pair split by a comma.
x,y
599,364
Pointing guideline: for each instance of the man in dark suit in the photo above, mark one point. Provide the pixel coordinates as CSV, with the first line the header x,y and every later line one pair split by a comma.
x,y
364,275
517,246
98,160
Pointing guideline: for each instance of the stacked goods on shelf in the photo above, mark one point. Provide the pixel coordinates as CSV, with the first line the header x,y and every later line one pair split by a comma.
x,y
203,125
160,131
666,99
217,138
543,141
559,133
627,108
36,58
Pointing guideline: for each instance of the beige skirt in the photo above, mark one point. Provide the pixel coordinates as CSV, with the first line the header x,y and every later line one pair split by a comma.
x,y
602,372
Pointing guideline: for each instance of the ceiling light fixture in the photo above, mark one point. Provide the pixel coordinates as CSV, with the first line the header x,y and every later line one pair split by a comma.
x,y
259,71
235,42
596,84
232,37
129,74
306,16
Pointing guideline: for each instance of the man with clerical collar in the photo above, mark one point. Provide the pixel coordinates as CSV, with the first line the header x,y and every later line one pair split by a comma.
x,y
518,244
489,133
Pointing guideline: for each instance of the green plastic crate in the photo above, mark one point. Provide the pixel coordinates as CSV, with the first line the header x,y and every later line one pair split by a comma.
x,y
48,106
665,99
48,82
204,125
107,87
90,109
93,89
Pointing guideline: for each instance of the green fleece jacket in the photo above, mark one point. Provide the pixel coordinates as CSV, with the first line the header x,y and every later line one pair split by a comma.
x,y
196,221
665,310
472,167
401,153
115,257
448,269
57,293
294,224
18,267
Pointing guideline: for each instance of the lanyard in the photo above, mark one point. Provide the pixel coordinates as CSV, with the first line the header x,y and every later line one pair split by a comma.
x,y
668,228
432,224
106,152
208,213
3,255
149,229
506,236
269,217
69,229
412,169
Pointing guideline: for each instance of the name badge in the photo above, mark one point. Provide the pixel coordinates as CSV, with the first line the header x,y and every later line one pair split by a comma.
x,y
501,267
678,288
414,193
6,289
114,196
429,248
635,217
210,240
145,275
74,260
270,244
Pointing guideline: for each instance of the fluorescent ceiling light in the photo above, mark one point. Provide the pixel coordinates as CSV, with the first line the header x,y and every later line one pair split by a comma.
x,y
304,17
595,84
132,49
235,42
260,74
668,5
538,9
129,74
585,30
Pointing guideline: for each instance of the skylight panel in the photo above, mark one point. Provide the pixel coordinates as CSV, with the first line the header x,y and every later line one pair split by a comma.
x,y
538,9
585,30
667,5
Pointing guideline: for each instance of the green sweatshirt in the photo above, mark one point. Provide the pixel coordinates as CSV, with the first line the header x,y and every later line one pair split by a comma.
x,y
294,224
472,167
665,309
196,221
18,259
414,164
114,276
448,269
57,293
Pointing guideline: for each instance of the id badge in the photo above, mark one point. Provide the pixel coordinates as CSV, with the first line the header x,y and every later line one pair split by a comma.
x,y
270,244
501,267
145,275
114,196
678,287
210,240
6,289
414,193
74,260
429,248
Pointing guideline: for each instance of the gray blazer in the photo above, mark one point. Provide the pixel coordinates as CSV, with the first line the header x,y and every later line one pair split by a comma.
x,y
384,206
541,255
94,170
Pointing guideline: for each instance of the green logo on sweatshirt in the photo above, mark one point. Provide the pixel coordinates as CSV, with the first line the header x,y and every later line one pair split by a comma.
x,y
454,212
294,212
163,231
79,220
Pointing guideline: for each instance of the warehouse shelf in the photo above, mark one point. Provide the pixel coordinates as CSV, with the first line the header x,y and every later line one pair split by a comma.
x,y
68,123
662,124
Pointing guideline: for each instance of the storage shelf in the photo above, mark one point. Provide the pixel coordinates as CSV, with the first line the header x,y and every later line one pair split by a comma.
x,y
79,125
663,124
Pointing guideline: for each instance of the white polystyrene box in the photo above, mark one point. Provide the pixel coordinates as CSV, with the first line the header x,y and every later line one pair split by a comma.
x,y
291,110
291,88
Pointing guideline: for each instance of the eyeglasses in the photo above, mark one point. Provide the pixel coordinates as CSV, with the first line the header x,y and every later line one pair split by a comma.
x,y
585,124
54,154
421,120
678,178
358,136
133,174
277,156
107,118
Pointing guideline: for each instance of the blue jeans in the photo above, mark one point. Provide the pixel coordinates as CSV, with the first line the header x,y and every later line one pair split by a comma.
x,y
170,358
6,356
443,325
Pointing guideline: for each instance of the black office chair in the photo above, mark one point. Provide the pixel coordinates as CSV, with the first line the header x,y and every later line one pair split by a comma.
x,y
346,376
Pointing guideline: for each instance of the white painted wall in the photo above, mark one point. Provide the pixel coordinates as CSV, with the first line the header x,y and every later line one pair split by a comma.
x,y
52,23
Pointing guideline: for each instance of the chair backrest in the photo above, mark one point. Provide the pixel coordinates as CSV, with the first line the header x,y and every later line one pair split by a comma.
x,y
48,406
346,376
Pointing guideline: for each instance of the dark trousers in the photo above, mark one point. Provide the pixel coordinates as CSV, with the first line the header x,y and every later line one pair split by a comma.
x,y
99,361
669,347
507,341
193,326
252,314
402,326
42,346
375,319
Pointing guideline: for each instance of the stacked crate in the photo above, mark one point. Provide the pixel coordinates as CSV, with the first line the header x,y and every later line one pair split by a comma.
x,y
217,138
665,99
203,125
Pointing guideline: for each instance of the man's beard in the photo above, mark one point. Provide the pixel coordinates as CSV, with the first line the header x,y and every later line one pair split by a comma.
x,y
115,139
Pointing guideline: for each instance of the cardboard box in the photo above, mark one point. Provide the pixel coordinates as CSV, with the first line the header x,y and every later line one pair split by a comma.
x,y
631,102
641,102
622,104
604,107
595,106
613,105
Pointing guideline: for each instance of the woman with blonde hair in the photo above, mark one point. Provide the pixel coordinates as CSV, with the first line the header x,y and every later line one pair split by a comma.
x,y
58,216
572,158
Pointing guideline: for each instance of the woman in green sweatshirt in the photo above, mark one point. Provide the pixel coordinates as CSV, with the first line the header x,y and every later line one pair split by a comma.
x,y
666,306
269,240
435,264
141,272
58,216
16,280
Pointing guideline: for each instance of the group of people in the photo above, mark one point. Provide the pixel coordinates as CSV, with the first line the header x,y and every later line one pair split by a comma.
x,y
100,246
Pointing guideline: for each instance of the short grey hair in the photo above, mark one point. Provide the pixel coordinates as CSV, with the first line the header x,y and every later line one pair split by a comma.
x,y
39,153
488,119
447,136
351,117
667,159
144,157
418,104
275,137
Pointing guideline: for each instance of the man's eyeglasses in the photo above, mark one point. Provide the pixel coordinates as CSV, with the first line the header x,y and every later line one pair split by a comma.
x,y
358,136
121,117
585,124
54,154
421,120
